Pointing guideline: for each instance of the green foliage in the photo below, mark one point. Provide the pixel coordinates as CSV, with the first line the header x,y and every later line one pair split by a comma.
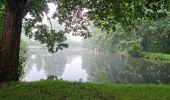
x,y
74,17
128,15
22,58
104,14
44,34
136,51
56,90
155,36
127,12
22,62
115,41
148,36
23,47
100,40
107,15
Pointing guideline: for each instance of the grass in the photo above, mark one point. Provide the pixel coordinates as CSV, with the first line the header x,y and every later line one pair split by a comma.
x,y
156,56
150,55
62,90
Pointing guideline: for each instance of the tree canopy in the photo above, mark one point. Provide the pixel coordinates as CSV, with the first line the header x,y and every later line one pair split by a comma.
x,y
76,14
106,14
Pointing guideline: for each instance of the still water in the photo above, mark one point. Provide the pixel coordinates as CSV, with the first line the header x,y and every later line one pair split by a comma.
x,y
88,66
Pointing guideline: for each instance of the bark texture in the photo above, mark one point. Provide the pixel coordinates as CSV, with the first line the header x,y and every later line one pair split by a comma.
x,y
9,49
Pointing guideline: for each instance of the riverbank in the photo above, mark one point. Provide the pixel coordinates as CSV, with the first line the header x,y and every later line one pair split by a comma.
x,y
150,55
156,56
62,90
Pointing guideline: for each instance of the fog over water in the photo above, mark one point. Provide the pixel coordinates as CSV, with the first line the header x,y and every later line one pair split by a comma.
x,y
80,64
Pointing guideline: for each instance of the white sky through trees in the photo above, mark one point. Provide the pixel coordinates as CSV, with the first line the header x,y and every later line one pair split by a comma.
x,y
58,26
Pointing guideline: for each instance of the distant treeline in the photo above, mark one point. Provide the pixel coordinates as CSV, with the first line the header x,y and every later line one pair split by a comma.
x,y
144,36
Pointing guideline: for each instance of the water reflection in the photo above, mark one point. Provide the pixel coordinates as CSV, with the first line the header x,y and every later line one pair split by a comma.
x,y
63,65
81,65
74,71
35,74
117,69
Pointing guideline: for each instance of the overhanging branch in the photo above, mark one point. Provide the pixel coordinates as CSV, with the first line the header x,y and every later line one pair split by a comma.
x,y
28,7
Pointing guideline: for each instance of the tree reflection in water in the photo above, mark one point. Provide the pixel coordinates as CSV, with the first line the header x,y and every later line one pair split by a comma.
x,y
114,68
92,67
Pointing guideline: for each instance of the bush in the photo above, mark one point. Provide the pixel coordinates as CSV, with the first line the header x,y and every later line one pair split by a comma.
x,y
136,51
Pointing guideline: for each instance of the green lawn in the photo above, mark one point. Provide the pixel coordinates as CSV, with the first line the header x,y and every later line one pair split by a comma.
x,y
62,90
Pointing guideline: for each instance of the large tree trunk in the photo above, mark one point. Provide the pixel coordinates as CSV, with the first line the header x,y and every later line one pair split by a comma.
x,y
9,53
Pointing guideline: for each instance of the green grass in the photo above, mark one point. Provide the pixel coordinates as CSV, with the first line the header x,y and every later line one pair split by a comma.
x,y
157,56
62,90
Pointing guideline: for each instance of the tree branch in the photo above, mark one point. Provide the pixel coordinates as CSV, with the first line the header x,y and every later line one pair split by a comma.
x,y
48,18
28,7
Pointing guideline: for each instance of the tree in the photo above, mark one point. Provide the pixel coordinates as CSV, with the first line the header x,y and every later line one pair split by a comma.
x,y
126,13
15,11
11,40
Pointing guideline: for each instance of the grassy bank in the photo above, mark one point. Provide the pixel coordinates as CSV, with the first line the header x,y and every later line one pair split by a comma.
x,y
156,56
61,90
150,55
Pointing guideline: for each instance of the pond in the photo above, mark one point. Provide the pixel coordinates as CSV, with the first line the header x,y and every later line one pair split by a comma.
x,y
88,66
